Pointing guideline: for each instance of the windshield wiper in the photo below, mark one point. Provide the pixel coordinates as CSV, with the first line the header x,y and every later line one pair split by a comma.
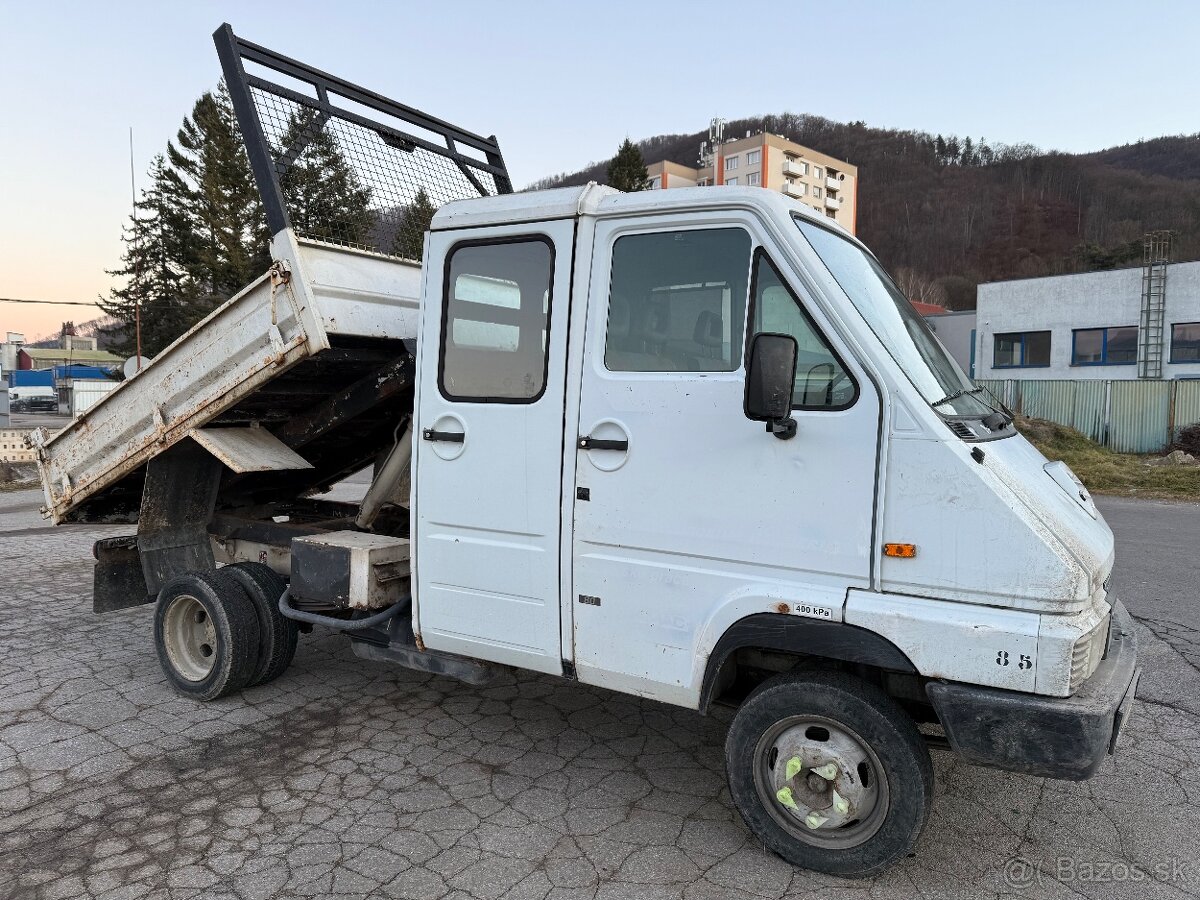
x,y
999,418
955,396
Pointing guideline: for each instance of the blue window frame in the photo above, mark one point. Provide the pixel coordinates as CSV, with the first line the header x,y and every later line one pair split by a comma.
x,y
1115,346
1185,342
1021,350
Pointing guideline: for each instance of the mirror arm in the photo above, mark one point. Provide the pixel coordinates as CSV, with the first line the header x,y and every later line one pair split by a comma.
x,y
784,429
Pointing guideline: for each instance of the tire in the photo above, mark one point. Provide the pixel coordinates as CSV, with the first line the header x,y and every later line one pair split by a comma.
x,y
277,635
206,635
853,820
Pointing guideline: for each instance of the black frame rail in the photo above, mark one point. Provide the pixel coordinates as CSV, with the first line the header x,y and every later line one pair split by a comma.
x,y
269,164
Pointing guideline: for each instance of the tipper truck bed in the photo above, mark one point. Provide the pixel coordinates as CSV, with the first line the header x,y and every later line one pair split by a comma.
x,y
692,445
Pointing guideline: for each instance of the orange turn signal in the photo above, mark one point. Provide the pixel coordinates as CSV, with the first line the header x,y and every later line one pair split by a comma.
x,y
901,551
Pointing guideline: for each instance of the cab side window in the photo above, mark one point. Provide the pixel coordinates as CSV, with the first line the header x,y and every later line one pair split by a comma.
x,y
677,301
497,310
822,382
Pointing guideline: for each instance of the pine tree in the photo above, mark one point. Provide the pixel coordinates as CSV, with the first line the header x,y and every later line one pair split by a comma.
x,y
409,242
627,171
324,197
968,152
939,147
199,232
208,175
154,240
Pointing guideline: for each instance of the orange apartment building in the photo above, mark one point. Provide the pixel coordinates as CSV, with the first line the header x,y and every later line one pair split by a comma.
x,y
827,184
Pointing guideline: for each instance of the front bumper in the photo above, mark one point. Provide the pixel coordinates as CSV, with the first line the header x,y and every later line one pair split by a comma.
x,y
1047,736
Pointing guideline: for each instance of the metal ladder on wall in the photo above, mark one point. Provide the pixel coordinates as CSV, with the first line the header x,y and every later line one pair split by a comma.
x,y
1156,253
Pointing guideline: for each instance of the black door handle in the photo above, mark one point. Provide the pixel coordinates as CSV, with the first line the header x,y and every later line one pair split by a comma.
x,y
591,443
453,437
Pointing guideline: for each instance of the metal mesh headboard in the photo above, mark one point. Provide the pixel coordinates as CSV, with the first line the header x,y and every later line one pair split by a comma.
x,y
342,164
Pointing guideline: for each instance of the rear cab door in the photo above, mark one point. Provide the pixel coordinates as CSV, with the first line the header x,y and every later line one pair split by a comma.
x,y
488,445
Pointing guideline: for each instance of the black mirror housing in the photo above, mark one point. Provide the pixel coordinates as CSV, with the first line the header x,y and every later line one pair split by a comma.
x,y
770,379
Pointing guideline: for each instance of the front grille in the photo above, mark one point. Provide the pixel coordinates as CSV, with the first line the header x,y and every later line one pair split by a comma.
x,y
1087,653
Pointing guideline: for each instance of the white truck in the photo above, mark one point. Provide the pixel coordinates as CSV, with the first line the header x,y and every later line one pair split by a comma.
x,y
691,445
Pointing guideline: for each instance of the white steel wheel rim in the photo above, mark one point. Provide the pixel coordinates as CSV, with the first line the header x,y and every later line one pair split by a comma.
x,y
835,808
190,638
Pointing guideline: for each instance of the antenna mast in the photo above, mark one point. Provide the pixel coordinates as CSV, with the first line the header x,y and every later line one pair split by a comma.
x,y
137,300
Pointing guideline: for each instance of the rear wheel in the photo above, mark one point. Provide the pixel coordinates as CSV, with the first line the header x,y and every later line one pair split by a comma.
x,y
277,635
206,634
829,772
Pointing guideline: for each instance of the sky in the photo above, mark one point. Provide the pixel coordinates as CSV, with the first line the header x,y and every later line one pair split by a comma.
x,y
560,85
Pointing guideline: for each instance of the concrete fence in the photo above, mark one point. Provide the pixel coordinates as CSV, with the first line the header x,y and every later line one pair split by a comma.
x,y
1128,416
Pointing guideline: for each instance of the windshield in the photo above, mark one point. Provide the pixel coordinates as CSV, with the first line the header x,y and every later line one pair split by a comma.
x,y
898,326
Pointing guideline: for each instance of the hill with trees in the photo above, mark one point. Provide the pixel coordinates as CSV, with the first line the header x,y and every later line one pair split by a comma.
x,y
947,213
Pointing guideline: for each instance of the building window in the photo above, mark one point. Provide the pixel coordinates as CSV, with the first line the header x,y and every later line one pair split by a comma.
x,y
1021,349
1104,346
731,162
752,157
497,312
1185,342
753,178
817,193
817,172
655,183
731,181
677,301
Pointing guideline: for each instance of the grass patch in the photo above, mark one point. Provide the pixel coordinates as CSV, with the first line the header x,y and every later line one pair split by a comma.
x,y
1105,471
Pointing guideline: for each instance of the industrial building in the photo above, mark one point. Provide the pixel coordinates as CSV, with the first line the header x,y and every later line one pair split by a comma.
x,y
1125,324
827,184
956,331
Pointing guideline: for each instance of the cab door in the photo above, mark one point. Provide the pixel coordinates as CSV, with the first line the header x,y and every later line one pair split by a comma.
x,y
688,515
488,443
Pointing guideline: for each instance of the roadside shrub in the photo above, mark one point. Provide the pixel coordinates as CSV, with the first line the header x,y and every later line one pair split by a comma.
x,y
1188,440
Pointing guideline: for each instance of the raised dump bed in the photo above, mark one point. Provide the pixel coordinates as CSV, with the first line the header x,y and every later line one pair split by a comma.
x,y
299,380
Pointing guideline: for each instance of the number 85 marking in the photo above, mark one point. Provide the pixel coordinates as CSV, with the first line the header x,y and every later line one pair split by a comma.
x,y
1024,662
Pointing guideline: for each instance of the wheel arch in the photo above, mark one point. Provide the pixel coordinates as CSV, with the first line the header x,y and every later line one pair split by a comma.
x,y
801,637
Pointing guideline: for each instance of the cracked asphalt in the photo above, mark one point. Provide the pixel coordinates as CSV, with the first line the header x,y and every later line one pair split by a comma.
x,y
352,779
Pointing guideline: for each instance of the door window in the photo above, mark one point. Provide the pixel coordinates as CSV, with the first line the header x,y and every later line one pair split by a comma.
x,y
678,301
822,382
496,315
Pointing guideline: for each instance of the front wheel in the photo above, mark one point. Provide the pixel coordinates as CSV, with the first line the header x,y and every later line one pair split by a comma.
x,y
829,772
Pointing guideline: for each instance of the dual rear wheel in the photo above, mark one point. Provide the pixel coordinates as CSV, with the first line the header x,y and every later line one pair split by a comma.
x,y
220,631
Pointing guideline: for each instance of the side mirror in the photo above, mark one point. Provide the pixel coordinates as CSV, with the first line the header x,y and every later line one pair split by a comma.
x,y
770,378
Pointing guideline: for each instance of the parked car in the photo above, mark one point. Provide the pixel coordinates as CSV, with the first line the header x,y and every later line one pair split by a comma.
x,y
32,398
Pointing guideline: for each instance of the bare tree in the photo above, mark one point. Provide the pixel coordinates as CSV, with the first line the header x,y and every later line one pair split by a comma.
x,y
920,287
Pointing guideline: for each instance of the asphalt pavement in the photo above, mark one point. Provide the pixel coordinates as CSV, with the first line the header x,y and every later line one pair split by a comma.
x,y
1157,570
351,779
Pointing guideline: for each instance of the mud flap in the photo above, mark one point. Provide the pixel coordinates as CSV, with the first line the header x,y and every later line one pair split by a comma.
x,y
117,580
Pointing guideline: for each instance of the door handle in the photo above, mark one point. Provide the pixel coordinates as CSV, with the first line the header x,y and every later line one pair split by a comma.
x,y
453,437
591,443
